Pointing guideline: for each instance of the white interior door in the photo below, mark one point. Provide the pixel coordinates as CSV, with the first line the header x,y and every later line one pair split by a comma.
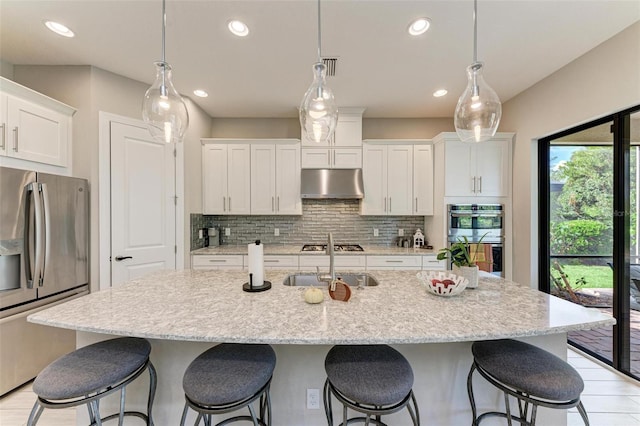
x,y
143,209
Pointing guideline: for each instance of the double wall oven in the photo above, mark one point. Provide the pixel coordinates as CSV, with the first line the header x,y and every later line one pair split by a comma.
x,y
481,224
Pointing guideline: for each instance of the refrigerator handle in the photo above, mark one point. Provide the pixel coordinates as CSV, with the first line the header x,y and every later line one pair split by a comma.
x,y
33,227
39,263
46,231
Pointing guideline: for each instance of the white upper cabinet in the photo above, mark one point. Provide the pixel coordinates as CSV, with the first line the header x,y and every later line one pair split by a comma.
x,y
388,179
344,148
226,182
275,178
34,127
423,180
476,169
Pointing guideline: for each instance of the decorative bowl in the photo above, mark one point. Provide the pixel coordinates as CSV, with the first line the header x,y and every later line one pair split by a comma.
x,y
442,283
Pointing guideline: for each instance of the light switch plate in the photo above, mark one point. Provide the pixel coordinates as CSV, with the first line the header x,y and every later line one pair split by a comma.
x,y
375,232
313,399
400,232
276,232
227,231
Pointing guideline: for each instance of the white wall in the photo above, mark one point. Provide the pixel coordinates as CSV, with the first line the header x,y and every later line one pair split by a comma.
x,y
604,80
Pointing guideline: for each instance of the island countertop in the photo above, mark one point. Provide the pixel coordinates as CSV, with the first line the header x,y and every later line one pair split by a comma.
x,y
210,306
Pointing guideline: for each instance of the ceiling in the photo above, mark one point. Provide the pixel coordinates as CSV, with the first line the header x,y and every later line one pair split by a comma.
x,y
380,67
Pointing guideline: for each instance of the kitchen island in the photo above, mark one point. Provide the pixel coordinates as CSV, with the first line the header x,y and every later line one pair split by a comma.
x,y
183,313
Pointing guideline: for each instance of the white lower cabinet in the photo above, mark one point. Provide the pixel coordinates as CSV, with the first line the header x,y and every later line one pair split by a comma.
x,y
432,263
345,263
278,262
394,262
307,263
216,261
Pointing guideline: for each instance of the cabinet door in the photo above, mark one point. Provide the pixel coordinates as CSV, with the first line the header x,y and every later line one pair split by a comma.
x,y
423,180
348,130
374,174
460,169
316,158
346,158
399,179
288,179
238,179
3,124
37,133
492,162
214,179
263,179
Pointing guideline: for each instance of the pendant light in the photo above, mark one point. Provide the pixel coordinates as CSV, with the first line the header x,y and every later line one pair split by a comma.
x,y
163,109
318,110
478,110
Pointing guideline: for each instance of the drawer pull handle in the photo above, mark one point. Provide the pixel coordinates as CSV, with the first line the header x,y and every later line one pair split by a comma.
x,y
217,260
271,261
394,261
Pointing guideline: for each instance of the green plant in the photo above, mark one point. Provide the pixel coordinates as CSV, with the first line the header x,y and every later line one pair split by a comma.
x,y
460,252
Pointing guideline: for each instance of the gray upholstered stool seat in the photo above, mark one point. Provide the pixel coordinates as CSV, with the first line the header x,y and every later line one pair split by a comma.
x,y
371,379
228,377
89,373
529,373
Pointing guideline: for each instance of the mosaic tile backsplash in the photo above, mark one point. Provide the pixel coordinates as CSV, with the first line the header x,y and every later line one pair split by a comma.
x,y
319,217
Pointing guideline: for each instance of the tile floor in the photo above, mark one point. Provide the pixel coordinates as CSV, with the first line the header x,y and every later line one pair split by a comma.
x,y
611,399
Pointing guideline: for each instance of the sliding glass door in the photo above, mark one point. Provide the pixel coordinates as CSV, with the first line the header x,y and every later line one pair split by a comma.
x,y
589,250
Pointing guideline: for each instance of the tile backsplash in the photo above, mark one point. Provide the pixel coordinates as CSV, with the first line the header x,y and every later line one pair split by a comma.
x,y
319,217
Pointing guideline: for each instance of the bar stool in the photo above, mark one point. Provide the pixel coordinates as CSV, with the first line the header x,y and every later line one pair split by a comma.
x,y
228,377
532,375
88,374
374,380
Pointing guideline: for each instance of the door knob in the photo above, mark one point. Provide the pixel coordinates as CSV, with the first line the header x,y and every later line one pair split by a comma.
x,y
121,258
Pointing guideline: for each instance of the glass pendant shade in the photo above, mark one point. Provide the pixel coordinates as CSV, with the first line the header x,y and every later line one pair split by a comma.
x,y
318,110
479,109
163,109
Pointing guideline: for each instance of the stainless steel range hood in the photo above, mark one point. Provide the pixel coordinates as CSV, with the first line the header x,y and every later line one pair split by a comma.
x,y
332,183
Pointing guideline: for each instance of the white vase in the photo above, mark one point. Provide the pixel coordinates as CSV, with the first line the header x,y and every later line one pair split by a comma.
x,y
469,272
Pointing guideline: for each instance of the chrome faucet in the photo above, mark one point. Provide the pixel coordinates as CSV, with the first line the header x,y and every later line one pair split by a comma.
x,y
332,270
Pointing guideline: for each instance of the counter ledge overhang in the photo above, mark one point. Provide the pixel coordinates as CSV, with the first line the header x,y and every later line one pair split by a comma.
x,y
210,306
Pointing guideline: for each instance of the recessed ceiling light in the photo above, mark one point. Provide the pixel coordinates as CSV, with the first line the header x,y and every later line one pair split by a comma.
x,y
60,29
440,92
238,28
419,26
200,93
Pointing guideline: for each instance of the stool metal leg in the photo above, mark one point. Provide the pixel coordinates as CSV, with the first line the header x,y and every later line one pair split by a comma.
x,y
507,408
153,383
184,414
328,410
583,413
34,416
122,399
472,400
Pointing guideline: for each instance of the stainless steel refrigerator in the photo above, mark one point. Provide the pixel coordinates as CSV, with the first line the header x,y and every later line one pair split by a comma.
x,y
44,260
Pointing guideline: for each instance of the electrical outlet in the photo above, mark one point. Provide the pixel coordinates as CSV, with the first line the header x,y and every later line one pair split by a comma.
x,y
400,232
200,235
227,231
375,232
276,232
313,399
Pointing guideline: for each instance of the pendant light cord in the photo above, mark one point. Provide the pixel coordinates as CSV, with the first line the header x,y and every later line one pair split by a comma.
x,y
475,31
164,24
319,35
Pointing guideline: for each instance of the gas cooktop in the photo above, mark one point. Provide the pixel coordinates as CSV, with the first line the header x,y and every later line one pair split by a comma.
x,y
336,247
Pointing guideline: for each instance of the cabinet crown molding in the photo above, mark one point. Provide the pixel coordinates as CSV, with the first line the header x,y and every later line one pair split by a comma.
x,y
12,88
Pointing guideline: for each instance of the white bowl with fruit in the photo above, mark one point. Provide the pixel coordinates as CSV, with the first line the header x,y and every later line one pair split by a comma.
x,y
442,283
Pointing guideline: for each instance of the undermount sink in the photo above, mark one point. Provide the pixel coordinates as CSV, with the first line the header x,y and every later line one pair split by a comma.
x,y
310,279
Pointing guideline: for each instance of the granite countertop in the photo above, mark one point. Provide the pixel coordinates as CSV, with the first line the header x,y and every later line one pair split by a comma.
x,y
288,249
211,306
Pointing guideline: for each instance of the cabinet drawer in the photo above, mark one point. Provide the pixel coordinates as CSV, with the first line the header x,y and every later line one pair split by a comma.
x,y
431,262
277,262
345,262
394,262
216,261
